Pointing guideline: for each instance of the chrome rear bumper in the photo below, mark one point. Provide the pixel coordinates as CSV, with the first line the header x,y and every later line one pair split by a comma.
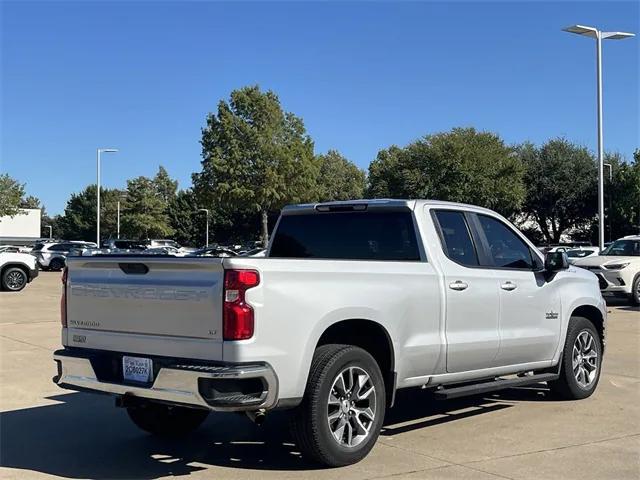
x,y
183,384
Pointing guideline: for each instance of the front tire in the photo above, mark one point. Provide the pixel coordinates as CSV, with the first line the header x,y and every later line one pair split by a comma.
x,y
166,420
581,361
14,279
635,291
341,414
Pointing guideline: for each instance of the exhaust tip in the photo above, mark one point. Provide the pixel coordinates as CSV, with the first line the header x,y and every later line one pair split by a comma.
x,y
257,417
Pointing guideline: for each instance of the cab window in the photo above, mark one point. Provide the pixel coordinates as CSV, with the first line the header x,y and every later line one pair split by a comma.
x,y
506,248
456,238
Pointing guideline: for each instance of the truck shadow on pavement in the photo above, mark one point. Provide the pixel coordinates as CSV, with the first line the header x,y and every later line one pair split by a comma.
x,y
84,436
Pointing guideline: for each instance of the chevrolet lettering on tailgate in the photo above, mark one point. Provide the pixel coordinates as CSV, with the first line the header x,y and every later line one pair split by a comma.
x,y
147,293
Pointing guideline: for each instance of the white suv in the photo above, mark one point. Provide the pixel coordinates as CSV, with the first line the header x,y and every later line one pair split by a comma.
x,y
53,255
617,268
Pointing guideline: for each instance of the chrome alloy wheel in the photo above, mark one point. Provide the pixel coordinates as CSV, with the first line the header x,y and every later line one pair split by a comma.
x,y
585,359
15,280
351,407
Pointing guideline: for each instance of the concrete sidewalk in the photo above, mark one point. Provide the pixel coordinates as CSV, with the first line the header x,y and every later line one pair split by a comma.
x,y
517,434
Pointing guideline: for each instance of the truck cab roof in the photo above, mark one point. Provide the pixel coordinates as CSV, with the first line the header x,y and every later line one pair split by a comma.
x,y
373,204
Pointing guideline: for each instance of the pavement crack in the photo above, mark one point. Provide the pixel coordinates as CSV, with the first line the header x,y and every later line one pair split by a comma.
x,y
26,343
564,447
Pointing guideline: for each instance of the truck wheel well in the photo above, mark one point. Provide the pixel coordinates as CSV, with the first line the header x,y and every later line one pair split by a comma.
x,y
371,337
593,314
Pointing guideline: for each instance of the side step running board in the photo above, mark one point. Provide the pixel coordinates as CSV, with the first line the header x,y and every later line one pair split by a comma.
x,y
491,386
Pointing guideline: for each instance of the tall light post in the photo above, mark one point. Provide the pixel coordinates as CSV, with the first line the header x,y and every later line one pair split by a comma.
x,y
50,231
207,227
122,197
100,151
599,36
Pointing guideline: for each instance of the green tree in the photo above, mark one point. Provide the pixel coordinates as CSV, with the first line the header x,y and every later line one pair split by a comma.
x,y
462,165
339,179
145,215
32,202
165,185
256,157
622,196
11,193
181,214
561,181
79,219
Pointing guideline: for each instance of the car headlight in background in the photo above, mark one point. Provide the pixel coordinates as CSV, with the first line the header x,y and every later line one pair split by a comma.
x,y
615,266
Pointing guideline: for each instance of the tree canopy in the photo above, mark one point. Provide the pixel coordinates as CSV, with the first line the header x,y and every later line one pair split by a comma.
x,y
463,165
146,207
11,193
561,186
339,179
256,156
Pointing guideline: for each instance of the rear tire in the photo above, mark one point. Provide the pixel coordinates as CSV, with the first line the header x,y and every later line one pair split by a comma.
x,y
14,279
581,361
56,264
166,420
339,419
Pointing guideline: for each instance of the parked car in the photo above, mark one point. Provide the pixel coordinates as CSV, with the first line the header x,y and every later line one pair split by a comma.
x,y
617,268
161,242
9,249
214,252
582,252
16,270
256,252
354,301
118,244
53,255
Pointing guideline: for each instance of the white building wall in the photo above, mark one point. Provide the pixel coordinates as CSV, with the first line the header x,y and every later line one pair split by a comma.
x,y
25,224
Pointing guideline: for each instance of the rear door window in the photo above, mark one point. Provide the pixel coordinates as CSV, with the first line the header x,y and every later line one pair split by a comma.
x,y
456,238
348,236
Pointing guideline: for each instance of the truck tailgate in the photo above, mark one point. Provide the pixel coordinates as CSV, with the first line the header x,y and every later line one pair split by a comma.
x,y
146,295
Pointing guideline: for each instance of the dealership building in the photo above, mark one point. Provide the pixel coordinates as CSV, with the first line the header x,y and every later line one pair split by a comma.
x,y
22,229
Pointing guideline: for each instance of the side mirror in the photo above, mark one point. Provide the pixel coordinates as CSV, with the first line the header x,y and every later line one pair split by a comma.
x,y
556,261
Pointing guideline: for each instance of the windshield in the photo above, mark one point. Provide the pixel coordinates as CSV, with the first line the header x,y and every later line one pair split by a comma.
x,y
579,253
623,248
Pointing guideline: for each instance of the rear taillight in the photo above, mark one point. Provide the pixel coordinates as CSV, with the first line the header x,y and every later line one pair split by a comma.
x,y
63,298
237,318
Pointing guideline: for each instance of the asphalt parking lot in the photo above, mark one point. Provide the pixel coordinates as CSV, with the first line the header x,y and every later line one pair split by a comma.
x,y
516,434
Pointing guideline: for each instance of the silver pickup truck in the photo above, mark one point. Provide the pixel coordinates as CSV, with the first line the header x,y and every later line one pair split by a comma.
x,y
353,301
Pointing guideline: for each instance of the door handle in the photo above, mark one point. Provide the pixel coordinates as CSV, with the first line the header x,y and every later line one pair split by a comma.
x,y
508,286
458,285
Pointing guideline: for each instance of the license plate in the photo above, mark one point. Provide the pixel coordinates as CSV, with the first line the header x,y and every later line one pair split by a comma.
x,y
137,369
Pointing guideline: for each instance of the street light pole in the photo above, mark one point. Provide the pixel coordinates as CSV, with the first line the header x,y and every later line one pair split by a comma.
x,y
50,231
99,151
599,35
207,227
118,222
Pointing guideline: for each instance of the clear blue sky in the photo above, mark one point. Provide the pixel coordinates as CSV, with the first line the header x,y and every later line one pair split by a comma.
x,y
142,77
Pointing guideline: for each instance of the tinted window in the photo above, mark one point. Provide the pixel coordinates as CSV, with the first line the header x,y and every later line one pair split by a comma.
x,y
37,247
59,247
456,238
347,235
623,248
579,253
506,248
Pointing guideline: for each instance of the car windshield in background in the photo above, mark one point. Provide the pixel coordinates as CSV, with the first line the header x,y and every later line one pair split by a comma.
x,y
623,248
347,236
128,245
579,253
37,247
